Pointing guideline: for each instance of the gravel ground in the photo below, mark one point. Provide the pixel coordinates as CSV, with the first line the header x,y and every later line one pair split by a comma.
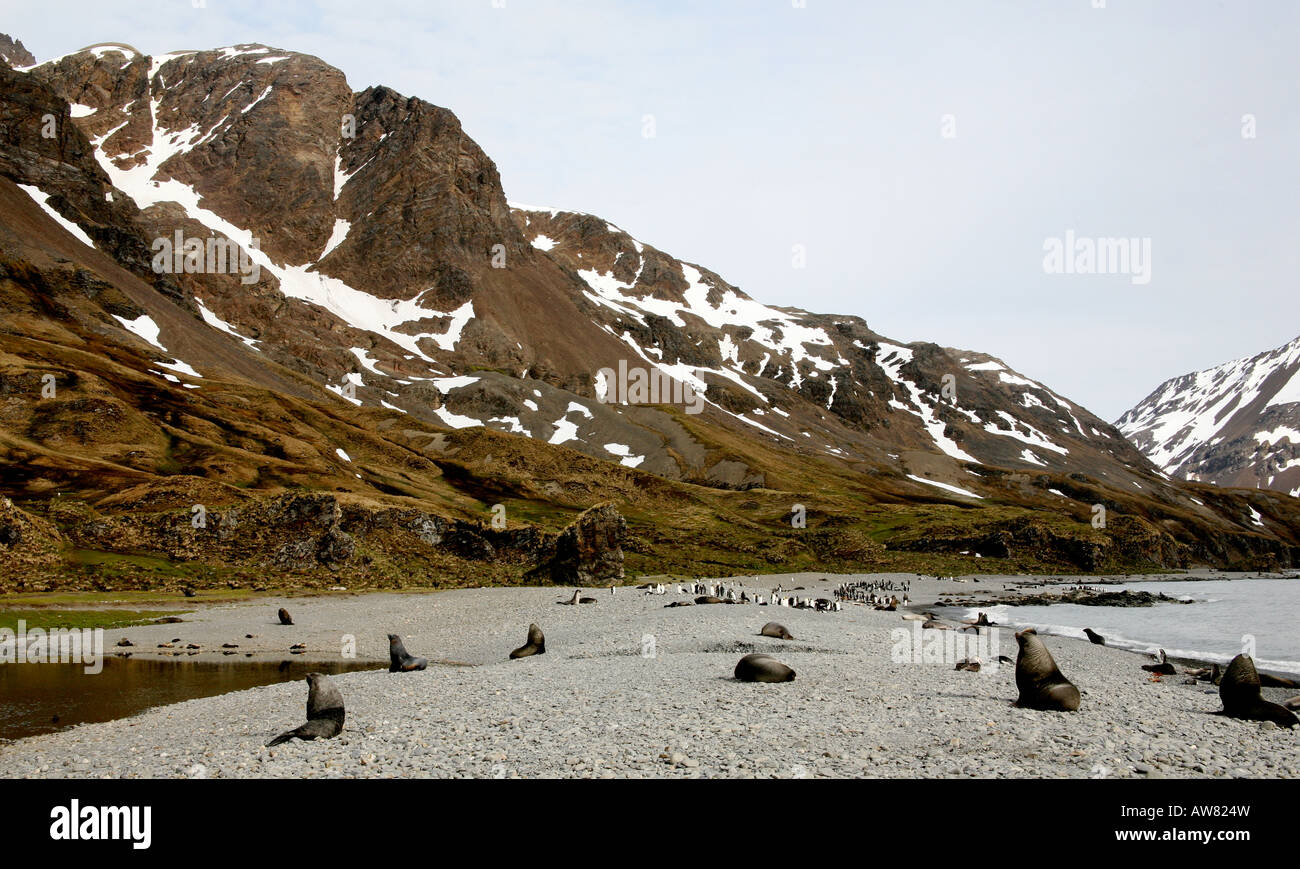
x,y
595,706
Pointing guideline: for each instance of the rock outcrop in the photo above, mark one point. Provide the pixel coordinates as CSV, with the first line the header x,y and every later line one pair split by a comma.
x,y
589,552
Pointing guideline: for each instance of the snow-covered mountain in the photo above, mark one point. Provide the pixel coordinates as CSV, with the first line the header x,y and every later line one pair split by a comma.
x,y
252,278
1237,424
392,270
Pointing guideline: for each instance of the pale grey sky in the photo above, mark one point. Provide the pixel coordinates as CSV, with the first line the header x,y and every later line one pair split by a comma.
x,y
824,126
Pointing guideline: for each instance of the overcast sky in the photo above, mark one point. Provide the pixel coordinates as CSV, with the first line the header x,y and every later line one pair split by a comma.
x,y
923,152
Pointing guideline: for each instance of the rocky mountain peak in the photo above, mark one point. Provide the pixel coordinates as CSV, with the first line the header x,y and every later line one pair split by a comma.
x,y
13,53
1236,424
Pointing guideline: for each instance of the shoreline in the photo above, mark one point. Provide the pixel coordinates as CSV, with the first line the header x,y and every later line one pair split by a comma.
x,y
1145,649
595,706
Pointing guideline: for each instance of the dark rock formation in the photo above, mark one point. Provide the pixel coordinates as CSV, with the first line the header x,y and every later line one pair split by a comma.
x,y
588,552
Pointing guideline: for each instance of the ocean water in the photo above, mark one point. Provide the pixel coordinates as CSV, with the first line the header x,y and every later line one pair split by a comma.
x,y
1211,629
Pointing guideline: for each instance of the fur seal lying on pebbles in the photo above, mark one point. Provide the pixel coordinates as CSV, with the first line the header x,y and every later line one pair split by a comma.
x,y
576,599
285,618
324,712
1239,692
1164,668
763,668
772,629
1041,684
401,661
1095,638
708,598
678,603
536,644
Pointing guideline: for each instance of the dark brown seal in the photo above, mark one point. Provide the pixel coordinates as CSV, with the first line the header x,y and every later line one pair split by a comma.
x,y
324,712
1041,684
763,668
285,619
772,629
1095,638
1239,692
536,644
400,660
708,598
1164,668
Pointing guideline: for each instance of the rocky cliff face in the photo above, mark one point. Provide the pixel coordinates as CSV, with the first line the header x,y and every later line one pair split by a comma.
x,y
225,270
1237,424
13,53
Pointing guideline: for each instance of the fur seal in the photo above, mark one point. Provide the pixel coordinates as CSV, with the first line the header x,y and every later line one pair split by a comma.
x,y
1239,692
772,629
536,644
678,603
763,668
971,665
1039,679
400,660
1095,638
708,598
1164,668
324,712
285,618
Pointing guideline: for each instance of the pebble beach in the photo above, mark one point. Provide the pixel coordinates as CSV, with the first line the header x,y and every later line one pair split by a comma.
x,y
631,689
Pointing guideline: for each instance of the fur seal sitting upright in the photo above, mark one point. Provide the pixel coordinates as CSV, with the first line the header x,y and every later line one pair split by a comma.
x,y
1041,684
400,660
536,644
763,668
772,629
1095,638
285,619
1239,692
324,712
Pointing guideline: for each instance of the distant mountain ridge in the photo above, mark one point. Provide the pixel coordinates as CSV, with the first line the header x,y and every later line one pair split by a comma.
x,y
1236,424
